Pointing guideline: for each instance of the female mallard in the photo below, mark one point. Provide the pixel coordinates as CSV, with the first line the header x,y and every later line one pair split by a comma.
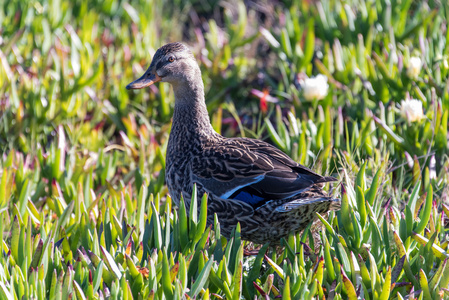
x,y
247,181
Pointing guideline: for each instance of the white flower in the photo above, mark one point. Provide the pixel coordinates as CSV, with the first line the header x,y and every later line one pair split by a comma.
x,y
315,88
414,67
411,110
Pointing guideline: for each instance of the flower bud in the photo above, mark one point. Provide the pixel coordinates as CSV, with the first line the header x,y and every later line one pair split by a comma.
x,y
414,67
411,110
315,88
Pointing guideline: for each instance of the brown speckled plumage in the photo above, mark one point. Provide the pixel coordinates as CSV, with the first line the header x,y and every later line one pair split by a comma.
x,y
247,181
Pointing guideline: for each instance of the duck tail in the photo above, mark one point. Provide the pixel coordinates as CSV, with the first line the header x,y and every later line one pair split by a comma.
x,y
335,204
326,179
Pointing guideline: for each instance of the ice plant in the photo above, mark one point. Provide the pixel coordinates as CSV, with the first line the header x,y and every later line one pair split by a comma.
x,y
411,110
414,67
315,88
84,209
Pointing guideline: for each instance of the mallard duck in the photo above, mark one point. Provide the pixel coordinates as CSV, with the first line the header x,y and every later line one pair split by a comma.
x,y
247,180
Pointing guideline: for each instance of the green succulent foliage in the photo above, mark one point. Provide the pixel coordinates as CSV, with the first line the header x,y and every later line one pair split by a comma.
x,y
130,243
85,214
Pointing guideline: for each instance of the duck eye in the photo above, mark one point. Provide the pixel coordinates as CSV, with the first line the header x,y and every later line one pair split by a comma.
x,y
171,59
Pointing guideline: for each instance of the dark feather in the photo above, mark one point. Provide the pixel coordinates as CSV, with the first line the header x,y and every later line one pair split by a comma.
x,y
237,159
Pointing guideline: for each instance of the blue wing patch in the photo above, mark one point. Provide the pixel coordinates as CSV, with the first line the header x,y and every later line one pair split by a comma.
x,y
248,198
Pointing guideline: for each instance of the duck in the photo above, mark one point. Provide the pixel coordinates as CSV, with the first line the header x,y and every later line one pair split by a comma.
x,y
247,181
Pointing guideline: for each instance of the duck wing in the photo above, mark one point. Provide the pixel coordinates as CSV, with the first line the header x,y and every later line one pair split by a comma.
x,y
251,171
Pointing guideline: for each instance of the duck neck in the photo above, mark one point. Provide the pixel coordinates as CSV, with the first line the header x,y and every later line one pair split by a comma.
x,y
190,116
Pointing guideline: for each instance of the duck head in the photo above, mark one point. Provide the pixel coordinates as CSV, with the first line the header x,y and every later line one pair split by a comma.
x,y
173,63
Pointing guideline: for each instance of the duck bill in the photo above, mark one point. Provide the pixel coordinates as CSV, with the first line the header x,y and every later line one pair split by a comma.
x,y
146,80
